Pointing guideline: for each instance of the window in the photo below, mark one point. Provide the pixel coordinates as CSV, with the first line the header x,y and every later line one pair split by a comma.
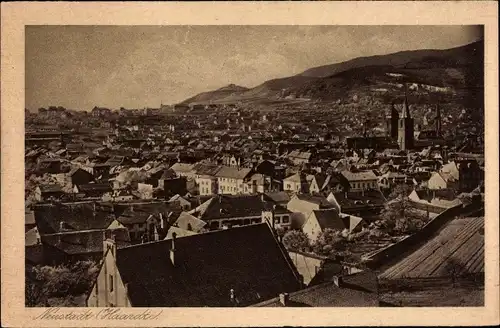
x,y
286,219
111,285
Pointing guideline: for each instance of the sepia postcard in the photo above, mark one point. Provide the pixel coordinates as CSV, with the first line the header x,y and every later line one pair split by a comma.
x,y
250,164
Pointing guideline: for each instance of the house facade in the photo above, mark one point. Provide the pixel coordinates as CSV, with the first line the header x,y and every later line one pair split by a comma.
x,y
109,289
231,180
363,180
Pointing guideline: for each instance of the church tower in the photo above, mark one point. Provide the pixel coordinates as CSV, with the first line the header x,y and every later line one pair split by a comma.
x,y
405,127
392,123
438,121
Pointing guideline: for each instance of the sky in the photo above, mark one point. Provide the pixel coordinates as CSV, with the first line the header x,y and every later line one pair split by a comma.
x,y
79,67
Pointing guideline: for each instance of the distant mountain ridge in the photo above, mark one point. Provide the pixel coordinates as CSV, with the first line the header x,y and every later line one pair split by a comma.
x,y
438,71
228,90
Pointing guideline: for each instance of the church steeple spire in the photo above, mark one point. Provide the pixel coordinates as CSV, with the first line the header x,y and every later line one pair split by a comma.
x,y
438,120
406,107
405,126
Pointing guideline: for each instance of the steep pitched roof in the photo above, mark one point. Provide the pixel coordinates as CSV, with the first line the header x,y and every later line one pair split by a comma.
x,y
207,266
188,222
328,219
331,219
350,221
179,232
318,200
297,178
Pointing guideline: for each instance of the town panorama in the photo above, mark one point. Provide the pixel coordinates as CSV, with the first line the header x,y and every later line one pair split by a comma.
x,y
357,183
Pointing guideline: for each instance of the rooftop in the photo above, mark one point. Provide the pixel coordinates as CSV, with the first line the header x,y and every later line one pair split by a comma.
x,y
207,267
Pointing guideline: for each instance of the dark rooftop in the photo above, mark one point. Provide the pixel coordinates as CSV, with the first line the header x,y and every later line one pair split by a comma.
x,y
207,267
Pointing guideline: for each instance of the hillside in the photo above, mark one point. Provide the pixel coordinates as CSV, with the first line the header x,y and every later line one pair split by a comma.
x,y
433,74
205,97
460,56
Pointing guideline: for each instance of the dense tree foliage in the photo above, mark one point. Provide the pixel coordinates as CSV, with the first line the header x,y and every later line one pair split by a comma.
x,y
59,285
399,216
296,240
331,243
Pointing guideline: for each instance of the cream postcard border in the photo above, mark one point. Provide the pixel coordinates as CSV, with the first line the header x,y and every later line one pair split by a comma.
x,y
16,15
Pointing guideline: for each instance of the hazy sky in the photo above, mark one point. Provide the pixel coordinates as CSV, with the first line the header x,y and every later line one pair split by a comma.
x,y
79,67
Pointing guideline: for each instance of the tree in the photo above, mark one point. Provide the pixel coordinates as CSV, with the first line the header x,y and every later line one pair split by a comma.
x,y
296,240
331,242
62,282
398,215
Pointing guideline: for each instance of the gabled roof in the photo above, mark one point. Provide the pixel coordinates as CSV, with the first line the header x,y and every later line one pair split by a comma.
x,y
182,167
328,219
75,216
168,174
318,200
206,169
188,222
279,197
427,194
207,267
359,176
83,242
297,178
130,217
179,232
233,172
234,206
321,179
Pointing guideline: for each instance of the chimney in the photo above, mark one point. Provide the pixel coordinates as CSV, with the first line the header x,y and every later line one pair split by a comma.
x,y
284,298
155,234
337,280
108,243
172,249
162,221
